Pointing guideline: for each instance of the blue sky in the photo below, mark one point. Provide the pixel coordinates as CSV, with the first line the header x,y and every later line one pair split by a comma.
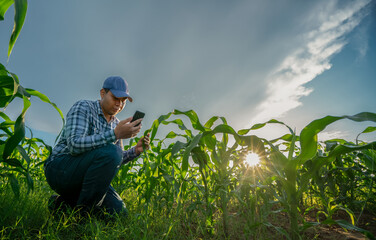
x,y
248,61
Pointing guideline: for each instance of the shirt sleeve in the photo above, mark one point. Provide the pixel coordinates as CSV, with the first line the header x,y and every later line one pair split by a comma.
x,y
78,127
128,155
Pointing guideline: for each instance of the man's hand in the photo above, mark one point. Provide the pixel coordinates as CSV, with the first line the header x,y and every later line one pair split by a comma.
x,y
143,142
127,129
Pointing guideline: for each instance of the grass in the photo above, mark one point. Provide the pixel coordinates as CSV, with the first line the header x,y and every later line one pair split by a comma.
x,y
28,218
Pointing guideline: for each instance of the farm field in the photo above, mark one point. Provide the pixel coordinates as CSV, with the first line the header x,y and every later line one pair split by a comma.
x,y
201,178
194,184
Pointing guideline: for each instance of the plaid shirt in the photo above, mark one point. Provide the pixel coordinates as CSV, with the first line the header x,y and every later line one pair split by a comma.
x,y
87,129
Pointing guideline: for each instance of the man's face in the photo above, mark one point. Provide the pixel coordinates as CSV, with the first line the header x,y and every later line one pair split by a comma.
x,y
110,104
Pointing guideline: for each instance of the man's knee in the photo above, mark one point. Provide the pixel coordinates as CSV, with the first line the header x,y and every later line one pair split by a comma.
x,y
111,154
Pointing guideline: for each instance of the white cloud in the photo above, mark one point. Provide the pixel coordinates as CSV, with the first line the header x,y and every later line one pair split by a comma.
x,y
324,136
286,85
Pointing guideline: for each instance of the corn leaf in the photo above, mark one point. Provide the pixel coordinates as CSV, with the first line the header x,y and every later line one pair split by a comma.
x,y
20,7
8,88
210,122
260,125
19,131
154,127
23,153
4,5
187,153
44,98
14,162
343,149
369,129
193,117
308,136
14,184
349,226
178,122
177,146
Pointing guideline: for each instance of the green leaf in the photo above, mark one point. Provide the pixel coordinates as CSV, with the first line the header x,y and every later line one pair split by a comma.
x,y
19,131
308,136
369,159
369,129
209,141
187,152
21,91
260,125
44,98
178,122
3,70
193,117
210,122
8,89
254,127
199,156
222,128
4,5
154,127
177,146
286,137
5,117
14,184
171,134
13,141
279,161
23,154
253,142
343,149
20,7
13,162
349,226
30,182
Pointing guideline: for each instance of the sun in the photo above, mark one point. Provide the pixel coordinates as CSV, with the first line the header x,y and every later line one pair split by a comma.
x,y
252,159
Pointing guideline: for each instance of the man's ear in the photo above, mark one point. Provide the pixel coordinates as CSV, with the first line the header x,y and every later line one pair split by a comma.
x,y
102,93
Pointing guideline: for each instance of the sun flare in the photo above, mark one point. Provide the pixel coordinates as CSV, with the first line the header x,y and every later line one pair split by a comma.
x,y
252,159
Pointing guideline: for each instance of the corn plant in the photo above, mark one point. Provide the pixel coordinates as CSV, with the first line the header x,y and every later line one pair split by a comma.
x,y
195,170
210,156
288,168
14,159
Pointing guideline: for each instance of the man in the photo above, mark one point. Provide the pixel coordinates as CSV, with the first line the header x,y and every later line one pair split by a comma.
x,y
90,151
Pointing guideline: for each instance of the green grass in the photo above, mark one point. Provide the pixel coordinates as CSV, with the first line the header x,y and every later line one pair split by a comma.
x,y
28,218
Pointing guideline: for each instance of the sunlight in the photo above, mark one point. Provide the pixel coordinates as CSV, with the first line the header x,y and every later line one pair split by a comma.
x,y
252,159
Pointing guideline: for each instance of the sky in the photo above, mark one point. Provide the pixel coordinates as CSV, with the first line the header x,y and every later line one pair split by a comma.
x,y
248,61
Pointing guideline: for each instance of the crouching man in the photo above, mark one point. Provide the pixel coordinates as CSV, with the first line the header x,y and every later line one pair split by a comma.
x,y
90,151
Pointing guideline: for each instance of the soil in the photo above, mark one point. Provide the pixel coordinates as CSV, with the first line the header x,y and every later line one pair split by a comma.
x,y
367,222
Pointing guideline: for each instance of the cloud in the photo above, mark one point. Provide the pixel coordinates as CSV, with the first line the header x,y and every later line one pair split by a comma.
x,y
324,136
286,84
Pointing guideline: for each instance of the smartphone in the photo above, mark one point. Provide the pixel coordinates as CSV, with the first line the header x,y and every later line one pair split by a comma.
x,y
138,115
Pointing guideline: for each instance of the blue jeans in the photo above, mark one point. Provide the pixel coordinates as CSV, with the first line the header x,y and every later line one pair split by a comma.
x,y
84,179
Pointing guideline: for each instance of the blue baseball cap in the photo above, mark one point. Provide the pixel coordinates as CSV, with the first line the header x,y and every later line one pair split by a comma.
x,y
118,86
